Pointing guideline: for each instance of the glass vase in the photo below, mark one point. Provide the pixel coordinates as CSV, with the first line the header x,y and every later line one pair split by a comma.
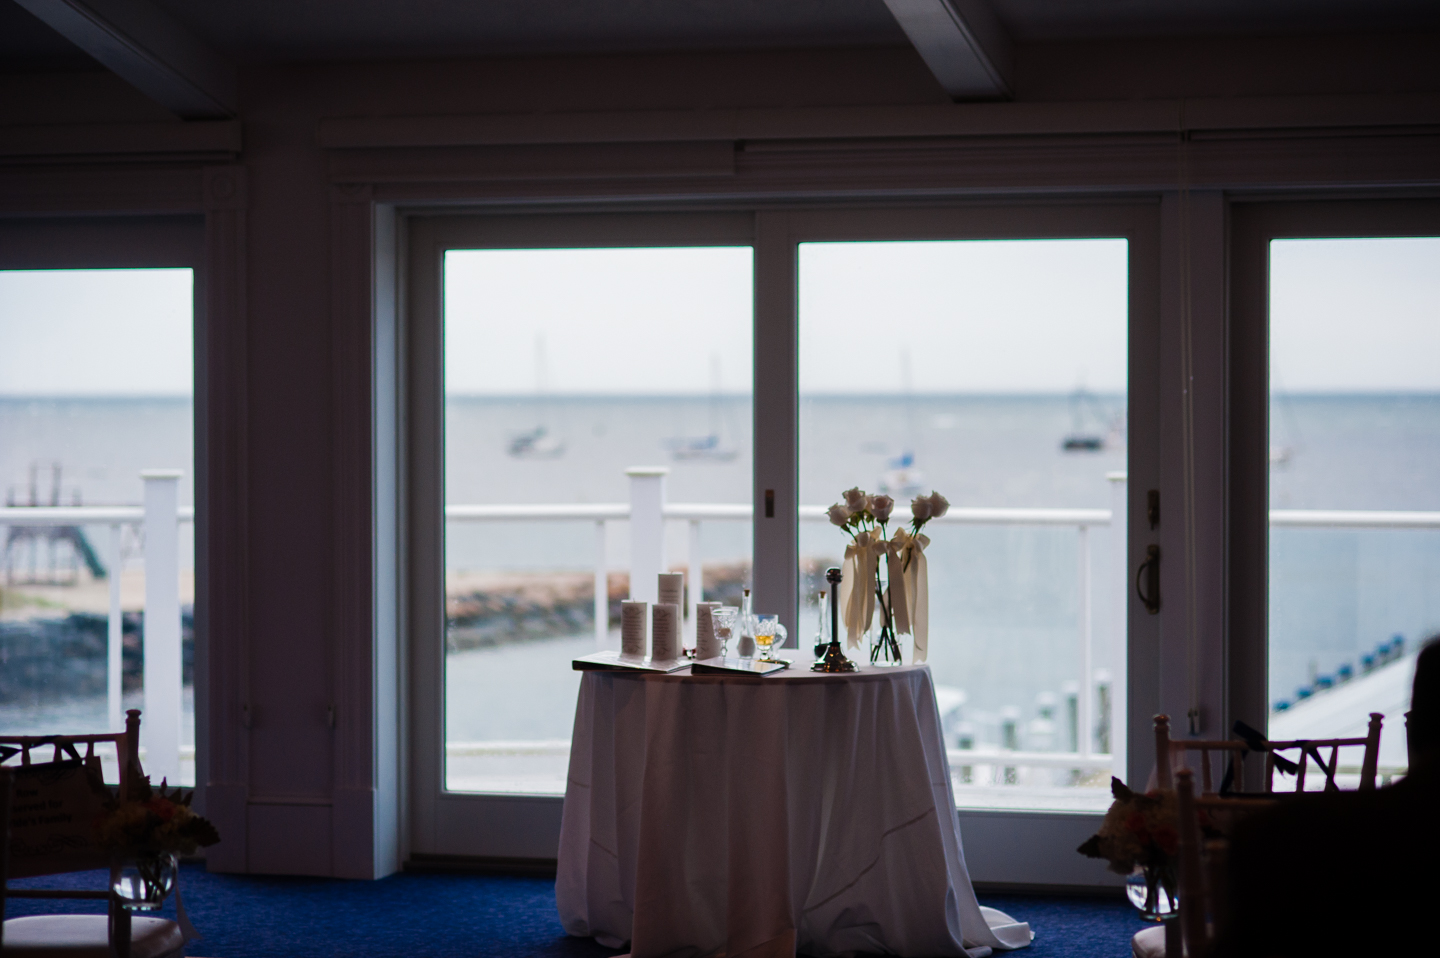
x,y
889,652
142,882
1152,890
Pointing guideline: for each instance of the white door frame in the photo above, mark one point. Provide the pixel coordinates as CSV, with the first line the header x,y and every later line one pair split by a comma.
x,y
1012,848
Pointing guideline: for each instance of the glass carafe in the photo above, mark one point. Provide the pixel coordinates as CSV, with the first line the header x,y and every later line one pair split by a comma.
x,y
746,627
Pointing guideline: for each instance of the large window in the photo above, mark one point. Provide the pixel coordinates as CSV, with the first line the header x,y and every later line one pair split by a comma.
x,y
564,368
1354,454
996,373
775,359
96,379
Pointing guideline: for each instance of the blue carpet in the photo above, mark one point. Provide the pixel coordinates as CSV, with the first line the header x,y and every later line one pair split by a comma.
x,y
478,916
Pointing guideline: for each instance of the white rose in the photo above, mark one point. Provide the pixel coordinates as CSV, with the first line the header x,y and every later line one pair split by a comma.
x,y
856,500
881,507
839,515
920,508
939,505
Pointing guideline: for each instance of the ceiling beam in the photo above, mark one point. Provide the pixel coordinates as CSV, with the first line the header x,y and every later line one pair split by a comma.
x,y
148,48
963,44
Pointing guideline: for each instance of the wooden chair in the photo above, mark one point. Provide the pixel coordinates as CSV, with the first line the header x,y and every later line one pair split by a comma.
x,y
116,934
1170,753
1311,749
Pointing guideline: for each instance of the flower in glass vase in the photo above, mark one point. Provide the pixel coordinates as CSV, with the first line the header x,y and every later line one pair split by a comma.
x,y
143,833
885,572
1140,836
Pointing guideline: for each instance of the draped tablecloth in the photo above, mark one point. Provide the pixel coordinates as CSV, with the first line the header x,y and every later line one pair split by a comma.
x,y
744,816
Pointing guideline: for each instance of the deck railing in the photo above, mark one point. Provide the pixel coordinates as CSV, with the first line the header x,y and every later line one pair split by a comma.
x,y
651,512
160,519
648,513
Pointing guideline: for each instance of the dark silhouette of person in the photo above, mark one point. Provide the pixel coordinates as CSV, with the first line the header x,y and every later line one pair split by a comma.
x,y
1341,872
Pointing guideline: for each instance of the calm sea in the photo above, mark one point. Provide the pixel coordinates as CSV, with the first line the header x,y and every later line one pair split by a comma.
x,y
1005,601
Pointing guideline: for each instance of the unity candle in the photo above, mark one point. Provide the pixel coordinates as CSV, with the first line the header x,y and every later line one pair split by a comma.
x,y
672,589
632,627
707,646
665,632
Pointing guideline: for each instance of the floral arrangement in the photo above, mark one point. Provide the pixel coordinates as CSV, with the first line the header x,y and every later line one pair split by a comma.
x,y
154,822
895,565
1139,830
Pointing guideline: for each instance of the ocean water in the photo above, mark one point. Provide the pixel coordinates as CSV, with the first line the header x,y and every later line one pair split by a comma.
x,y
1005,601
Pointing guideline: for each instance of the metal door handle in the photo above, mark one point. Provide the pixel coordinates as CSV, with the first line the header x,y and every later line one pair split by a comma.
x,y
1147,580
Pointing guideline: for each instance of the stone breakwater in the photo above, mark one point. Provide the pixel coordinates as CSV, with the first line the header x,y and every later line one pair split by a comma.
x,y
485,610
50,657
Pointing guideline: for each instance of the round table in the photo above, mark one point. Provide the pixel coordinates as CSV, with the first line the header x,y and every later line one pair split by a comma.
x,y
739,815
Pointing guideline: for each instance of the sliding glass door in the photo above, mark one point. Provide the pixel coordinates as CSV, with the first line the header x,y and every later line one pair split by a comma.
x,y
1003,357
995,372
1335,339
576,356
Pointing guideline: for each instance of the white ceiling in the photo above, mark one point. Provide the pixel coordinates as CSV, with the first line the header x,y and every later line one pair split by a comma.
x,y
259,30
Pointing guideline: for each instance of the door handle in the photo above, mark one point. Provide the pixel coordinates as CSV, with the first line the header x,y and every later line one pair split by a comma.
x,y
1147,580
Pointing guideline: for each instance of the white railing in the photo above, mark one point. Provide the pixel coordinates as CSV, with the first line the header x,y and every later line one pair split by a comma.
x,y
647,552
558,747
160,518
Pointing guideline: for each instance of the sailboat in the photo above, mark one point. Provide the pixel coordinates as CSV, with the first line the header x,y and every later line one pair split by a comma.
x,y
901,476
709,447
1084,406
537,443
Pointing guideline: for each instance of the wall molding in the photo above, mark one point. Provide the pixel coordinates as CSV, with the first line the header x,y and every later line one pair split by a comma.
x,y
226,496
929,120
197,139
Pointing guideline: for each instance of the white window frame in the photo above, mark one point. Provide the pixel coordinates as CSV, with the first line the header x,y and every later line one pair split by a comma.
x,y
1002,847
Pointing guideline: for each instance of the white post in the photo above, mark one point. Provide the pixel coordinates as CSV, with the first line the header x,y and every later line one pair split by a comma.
x,y
647,531
114,660
696,583
1118,651
160,728
1086,732
602,589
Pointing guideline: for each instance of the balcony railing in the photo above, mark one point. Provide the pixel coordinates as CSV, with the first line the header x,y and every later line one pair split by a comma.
x,y
647,513
160,519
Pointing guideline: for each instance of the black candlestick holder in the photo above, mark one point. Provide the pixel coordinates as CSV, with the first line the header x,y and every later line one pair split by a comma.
x,y
834,660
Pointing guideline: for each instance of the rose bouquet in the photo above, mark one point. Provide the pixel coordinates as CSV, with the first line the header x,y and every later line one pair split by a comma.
x,y
885,572
154,822
1140,833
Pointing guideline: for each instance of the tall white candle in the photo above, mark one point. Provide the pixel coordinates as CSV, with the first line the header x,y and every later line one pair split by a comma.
x,y
672,588
706,645
632,627
665,632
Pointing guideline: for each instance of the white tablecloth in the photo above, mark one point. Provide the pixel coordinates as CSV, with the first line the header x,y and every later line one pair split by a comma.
x,y
739,816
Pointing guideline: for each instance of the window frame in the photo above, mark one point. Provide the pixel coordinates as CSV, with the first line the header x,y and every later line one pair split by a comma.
x,y
1252,226
175,241
518,828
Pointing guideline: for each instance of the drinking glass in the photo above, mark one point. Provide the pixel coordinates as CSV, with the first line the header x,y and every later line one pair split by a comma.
x,y
724,619
766,627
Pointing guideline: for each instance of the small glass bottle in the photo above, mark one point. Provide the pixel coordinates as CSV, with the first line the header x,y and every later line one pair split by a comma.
x,y
746,626
822,637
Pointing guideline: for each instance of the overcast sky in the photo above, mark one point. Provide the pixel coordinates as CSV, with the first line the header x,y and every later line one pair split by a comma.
x,y
104,332
1012,316
1355,315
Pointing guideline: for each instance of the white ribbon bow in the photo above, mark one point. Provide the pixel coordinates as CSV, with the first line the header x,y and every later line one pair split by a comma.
x,y
857,602
916,581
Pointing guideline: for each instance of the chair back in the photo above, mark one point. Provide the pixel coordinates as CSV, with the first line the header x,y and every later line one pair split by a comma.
x,y
1171,755
1313,749
53,805
1203,861
6,783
